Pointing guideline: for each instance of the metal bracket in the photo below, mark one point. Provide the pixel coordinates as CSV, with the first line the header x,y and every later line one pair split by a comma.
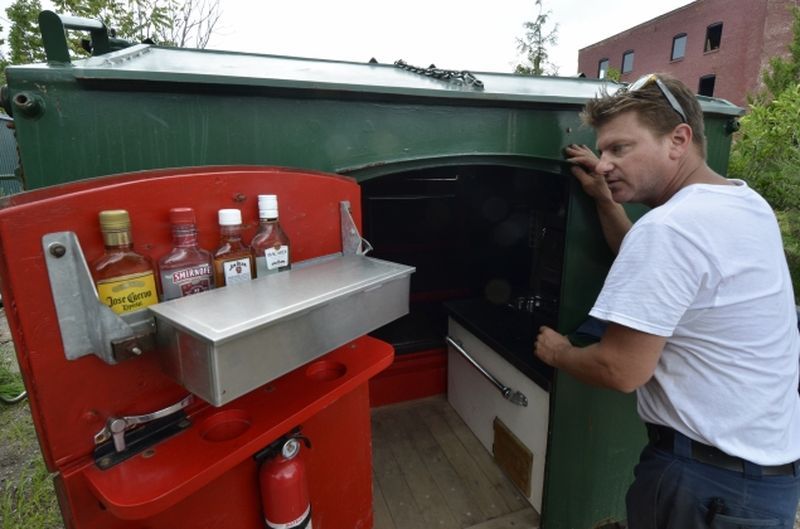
x,y
352,242
87,325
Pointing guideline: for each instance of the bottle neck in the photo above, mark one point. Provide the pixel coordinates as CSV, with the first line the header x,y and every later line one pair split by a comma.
x,y
184,236
230,232
117,239
267,220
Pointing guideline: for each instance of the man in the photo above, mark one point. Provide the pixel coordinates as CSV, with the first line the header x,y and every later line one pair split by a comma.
x,y
702,321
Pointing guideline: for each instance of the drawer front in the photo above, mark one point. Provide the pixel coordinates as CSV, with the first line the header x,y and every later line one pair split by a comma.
x,y
479,402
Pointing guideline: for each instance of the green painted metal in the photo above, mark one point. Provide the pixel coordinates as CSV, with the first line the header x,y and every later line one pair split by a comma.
x,y
54,38
146,107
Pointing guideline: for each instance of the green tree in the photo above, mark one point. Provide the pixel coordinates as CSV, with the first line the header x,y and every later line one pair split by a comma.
x,y
534,45
613,74
766,150
783,73
24,39
165,22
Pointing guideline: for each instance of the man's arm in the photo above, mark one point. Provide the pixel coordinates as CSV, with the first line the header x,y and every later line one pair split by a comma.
x,y
613,220
623,360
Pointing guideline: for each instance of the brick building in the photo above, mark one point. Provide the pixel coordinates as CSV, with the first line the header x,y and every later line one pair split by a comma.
x,y
717,47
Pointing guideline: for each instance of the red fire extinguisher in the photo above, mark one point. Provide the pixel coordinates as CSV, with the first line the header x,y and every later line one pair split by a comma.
x,y
284,490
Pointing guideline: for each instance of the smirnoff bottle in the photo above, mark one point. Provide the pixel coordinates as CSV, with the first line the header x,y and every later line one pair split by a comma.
x,y
187,269
270,244
125,280
233,262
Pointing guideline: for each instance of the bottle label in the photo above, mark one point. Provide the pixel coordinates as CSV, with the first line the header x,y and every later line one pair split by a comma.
x,y
128,293
275,259
185,281
236,271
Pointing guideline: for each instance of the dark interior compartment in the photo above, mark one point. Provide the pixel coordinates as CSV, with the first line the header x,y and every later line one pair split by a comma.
x,y
490,234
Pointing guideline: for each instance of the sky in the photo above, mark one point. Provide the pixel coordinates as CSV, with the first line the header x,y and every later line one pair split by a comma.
x,y
476,35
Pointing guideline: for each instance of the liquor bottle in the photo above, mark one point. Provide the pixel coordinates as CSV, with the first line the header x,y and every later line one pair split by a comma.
x,y
270,244
233,262
187,269
125,280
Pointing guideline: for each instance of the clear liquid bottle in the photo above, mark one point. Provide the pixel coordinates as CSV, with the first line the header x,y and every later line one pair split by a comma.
x,y
270,244
233,261
187,269
125,280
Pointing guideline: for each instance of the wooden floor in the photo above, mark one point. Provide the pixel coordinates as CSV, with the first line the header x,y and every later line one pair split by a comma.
x,y
430,471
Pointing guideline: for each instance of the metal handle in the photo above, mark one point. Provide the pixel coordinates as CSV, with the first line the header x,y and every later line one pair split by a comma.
x,y
117,426
53,26
510,394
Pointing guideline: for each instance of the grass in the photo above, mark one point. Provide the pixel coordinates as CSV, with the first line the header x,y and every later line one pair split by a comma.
x,y
30,500
10,382
27,496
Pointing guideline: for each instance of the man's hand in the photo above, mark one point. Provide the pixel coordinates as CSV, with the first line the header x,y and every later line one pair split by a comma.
x,y
584,164
623,359
549,344
613,219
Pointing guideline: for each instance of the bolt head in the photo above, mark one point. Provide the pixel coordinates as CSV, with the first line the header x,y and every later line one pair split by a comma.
x,y
57,249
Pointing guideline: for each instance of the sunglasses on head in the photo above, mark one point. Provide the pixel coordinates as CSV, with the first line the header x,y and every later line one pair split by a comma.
x,y
653,78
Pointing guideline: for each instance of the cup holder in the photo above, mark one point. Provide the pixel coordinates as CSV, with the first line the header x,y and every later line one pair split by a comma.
x,y
224,426
325,370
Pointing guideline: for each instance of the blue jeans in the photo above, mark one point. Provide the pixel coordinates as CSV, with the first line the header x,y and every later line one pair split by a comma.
x,y
675,492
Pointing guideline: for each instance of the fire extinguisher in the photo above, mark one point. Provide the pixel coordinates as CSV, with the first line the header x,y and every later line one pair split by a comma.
x,y
282,478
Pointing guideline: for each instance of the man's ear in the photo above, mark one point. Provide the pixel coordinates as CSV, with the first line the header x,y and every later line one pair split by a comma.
x,y
680,140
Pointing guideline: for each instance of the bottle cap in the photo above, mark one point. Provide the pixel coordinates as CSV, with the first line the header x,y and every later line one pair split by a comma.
x,y
230,217
114,220
182,216
268,206
268,201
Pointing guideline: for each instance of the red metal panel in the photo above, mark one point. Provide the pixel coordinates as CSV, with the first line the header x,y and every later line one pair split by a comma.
x,y
411,376
191,480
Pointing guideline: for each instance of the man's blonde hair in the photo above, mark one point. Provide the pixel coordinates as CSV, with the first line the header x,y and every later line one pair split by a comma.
x,y
652,109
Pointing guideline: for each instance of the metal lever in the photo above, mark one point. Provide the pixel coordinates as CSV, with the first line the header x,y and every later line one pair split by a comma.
x,y
515,397
117,426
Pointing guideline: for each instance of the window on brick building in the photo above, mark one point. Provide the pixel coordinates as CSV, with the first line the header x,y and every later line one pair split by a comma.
x,y
627,61
678,46
706,86
713,36
602,68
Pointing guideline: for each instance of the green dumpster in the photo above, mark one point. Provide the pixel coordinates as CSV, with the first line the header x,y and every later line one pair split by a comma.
x,y
446,160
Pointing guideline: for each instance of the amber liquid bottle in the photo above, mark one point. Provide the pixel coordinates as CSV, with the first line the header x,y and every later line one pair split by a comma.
x,y
233,262
187,269
125,280
270,244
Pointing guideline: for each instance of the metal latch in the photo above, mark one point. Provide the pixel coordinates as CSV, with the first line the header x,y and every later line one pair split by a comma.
x,y
87,325
116,427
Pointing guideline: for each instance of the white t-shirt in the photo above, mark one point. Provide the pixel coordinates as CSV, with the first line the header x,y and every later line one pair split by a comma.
x,y
707,270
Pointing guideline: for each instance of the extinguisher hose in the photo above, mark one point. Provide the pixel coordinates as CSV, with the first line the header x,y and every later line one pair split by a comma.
x,y
13,400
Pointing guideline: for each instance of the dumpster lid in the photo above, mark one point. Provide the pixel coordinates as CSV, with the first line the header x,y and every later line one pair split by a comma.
x,y
151,63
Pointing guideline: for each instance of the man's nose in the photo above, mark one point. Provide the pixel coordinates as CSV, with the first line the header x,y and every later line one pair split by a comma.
x,y
603,166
